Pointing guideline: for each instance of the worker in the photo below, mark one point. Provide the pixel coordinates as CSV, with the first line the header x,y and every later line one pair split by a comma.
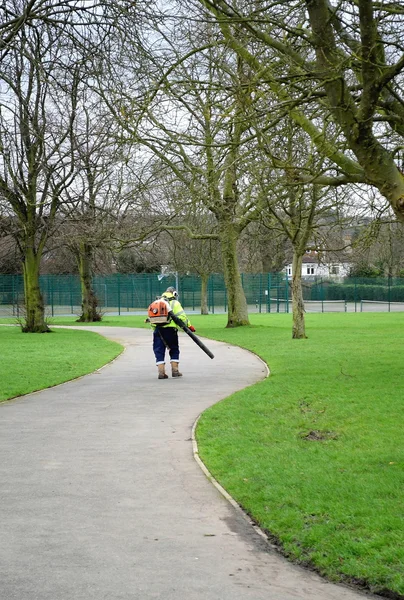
x,y
165,336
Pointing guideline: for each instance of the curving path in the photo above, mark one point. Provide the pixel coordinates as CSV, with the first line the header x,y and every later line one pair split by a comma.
x,y
101,498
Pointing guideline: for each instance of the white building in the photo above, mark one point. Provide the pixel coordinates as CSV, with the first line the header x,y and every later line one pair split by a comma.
x,y
312,268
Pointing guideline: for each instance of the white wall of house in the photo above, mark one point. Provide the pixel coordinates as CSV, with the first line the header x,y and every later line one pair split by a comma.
x,y
328,271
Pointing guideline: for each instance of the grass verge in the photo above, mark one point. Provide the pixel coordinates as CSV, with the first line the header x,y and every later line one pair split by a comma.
x,y
33,362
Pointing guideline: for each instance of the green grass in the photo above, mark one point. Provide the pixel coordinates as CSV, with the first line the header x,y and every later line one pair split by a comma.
x,y
122,321
31,362
335,503
315,453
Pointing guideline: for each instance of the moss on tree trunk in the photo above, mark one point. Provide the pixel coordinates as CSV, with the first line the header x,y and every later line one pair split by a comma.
x,y
299,328
34,306
89,303
237,304
204,294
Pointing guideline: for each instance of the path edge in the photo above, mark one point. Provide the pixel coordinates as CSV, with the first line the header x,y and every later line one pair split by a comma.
x,y
221,489
216,484
364,591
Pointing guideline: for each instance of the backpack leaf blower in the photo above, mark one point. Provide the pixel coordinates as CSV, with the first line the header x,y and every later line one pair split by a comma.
x,y
197,341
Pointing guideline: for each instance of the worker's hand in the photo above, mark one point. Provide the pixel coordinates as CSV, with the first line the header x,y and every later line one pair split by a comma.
x,y
147,320
191,328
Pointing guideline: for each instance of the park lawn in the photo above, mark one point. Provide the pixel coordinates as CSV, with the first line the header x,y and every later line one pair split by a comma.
x,y
31,362
112,321
315,453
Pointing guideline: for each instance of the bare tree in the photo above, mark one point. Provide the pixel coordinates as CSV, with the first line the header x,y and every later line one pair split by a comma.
x,y
35,162
378,248
68,18
263,249
200,256
295,207
10,261
47,52
197,128
97,196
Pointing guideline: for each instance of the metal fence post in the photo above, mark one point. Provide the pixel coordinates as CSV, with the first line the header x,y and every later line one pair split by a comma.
x,y
119,295
389,290
71,294
212,297
322,295
260,291
13,293
50,295
268,290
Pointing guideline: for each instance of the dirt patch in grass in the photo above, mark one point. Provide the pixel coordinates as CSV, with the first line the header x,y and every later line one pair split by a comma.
x,y
316,435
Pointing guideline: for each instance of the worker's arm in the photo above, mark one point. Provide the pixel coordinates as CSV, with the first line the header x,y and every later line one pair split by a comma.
x,y
180,314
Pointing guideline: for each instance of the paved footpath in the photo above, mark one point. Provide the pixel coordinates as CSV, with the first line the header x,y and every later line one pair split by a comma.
x,y
101,498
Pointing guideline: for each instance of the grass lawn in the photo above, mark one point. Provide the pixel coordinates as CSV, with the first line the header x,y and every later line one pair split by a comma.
x,y
32,362
122,321
315,453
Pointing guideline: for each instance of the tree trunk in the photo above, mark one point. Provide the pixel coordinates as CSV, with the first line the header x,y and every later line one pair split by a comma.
x,y
299,329
204,294
89,301
237,304
34,306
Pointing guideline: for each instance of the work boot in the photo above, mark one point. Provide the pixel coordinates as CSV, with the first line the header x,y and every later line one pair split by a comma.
x,y
174,370
162,372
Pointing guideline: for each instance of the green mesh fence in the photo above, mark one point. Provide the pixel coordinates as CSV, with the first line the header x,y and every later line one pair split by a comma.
x,y
133,293
265,292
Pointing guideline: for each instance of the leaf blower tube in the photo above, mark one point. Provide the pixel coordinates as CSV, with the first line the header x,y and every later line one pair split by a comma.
x,y
197,341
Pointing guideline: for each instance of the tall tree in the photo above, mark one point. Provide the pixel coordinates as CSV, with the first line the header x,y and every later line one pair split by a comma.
x,y
342,63
200,256
296,207
36,120
97,196
45,49
197,128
